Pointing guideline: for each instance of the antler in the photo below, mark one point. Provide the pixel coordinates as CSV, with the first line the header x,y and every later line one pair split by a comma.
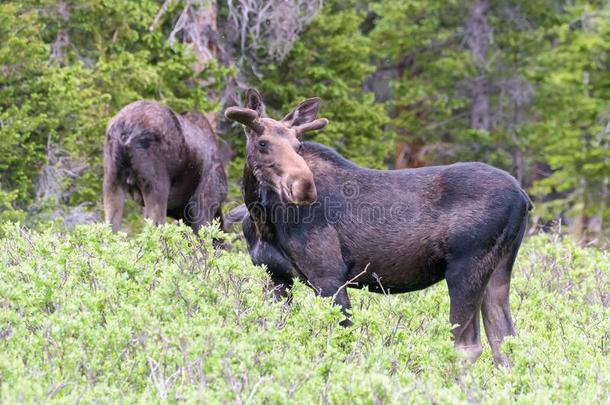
x,y
312,126
245,116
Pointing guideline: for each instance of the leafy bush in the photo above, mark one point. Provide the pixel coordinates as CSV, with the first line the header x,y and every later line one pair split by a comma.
x,y
90,315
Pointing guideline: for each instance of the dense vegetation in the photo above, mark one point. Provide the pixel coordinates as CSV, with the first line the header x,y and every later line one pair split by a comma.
x,y
523,85
159,317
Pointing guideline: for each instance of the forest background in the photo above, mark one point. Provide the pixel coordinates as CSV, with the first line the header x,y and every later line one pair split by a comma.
x,y
522,85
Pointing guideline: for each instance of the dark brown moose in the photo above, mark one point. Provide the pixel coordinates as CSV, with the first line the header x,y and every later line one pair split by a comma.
x,y
316,216
168,162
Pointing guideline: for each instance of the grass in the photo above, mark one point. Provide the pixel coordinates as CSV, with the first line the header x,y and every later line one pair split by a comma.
x,y
89,316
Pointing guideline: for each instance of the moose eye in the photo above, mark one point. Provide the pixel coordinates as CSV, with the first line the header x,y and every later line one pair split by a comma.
x,y
262,144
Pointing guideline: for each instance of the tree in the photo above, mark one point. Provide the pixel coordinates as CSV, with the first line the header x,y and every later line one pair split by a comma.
x,y
331,60
573,127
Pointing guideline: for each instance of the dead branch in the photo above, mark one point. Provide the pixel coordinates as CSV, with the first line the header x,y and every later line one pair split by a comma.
x,y
264,30
197,28
162,11
350,282
62,41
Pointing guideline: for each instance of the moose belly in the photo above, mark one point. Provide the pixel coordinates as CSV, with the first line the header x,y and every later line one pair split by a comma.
x,y
394,264
395,276
180,193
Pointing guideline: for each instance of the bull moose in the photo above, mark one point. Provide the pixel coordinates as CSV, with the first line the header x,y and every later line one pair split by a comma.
x,y
170,163
316,216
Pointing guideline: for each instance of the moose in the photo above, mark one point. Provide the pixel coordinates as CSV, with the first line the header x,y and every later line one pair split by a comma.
x,y
170,163
313,215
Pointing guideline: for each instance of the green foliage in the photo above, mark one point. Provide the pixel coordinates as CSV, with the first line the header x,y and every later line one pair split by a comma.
x,y
574,99
95,316
547,74
331,60
425,37
546,70
63,105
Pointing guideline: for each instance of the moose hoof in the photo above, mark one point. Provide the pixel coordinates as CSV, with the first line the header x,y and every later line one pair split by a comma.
x,y
346,323
502,361
470,352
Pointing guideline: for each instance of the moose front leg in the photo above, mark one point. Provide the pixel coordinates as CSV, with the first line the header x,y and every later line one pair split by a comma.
x,y
279,288
327,287
114,200
319,259
278,266
155,202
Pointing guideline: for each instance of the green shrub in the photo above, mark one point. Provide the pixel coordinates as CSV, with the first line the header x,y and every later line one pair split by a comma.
x,y
161,317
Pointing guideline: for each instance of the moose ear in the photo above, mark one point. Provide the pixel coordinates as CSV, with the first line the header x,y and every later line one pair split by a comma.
x,y
303,118
303,113
254,101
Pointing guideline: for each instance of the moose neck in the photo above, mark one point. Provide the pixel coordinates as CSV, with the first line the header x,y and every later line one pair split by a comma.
x,y
259,199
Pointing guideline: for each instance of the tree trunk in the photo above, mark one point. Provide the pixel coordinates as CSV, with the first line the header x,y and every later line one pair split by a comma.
x,y
478,38
197,28
62,40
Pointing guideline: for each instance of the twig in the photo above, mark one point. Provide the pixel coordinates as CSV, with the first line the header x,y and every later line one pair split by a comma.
x,y
253,391
166,5
378,279
351,281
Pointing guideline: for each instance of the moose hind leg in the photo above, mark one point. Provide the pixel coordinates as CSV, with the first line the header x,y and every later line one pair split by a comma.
x,y
497,317
204,206
466,281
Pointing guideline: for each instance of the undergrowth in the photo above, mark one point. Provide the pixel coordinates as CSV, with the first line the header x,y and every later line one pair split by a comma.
x,y
160,317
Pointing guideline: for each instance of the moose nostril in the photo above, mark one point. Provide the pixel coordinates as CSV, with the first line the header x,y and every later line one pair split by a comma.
x,y
303,191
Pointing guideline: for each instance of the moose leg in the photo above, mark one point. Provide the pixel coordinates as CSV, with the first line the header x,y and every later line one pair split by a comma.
x,y
335,288
202,208
466,282
155,203
279,288
497,317
263,253
319,259
114,200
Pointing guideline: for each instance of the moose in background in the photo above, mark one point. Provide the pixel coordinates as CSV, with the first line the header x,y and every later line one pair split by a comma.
x,y
170,163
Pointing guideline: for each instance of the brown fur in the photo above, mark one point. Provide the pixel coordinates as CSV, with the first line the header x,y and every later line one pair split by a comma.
x,y
409,229
168,162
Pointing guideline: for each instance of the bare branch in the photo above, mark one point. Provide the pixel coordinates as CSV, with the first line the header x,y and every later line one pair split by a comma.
x,y
197,28
378,279
157,20
351,281
266,30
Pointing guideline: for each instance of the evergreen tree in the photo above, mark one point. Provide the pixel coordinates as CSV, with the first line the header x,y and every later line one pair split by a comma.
x,y
331,60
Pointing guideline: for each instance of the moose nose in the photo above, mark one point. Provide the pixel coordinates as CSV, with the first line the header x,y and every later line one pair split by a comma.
x,y
303,191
